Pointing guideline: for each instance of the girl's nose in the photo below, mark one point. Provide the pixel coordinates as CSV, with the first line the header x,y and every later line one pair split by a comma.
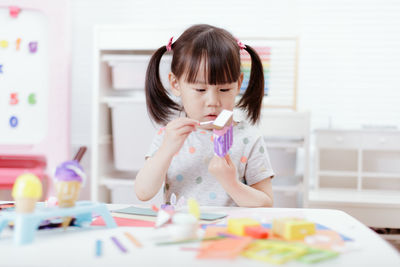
x,y
212,98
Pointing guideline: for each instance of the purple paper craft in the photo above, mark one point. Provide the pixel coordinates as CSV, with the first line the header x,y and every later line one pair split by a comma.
x,y
223,140
33,47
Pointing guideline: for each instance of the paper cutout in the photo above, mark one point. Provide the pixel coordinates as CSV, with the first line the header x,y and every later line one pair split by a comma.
x,y
123,222
223,140
227,248
275,252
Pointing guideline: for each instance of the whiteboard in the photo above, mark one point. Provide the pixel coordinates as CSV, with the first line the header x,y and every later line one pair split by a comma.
x,y
24,81
279,59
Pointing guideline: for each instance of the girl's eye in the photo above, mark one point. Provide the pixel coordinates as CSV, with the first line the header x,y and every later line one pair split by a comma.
x,y
200,90
225,90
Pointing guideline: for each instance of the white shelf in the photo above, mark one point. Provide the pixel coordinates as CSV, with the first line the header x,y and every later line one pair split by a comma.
x,y
367,180
338,173
381,175
350,197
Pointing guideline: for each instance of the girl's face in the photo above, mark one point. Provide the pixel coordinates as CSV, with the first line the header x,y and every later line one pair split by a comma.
x,y
203,102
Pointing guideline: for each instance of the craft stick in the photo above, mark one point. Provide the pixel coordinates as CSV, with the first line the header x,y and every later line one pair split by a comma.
x,y
227,235
206,122
118,244
80,153
190,240
223,118
66,222
99,250
133,240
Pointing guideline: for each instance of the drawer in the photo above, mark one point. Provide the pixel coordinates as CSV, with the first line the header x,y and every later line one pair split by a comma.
x,y
338,139
383,141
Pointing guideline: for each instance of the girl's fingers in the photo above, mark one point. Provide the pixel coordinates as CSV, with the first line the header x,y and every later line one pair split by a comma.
x,y
185,130
228,159
183,122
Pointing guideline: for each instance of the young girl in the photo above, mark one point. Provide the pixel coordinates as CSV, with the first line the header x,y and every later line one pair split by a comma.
x,y
205,76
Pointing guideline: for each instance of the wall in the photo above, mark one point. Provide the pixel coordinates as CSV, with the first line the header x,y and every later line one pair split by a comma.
x,y
349,50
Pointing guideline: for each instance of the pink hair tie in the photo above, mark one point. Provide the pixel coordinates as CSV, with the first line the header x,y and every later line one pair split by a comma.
x,y
240,44
169,45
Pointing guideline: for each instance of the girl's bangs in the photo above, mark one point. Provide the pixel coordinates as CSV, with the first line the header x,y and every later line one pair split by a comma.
x,y
217,69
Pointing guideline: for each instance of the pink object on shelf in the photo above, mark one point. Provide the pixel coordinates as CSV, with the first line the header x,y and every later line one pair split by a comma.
x,y
14,11
11,166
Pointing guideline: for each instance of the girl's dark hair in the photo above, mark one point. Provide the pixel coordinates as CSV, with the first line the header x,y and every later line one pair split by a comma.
x,y
221,54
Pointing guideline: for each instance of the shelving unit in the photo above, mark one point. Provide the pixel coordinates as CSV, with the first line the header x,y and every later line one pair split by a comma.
x,y
287,135
358,171
109,183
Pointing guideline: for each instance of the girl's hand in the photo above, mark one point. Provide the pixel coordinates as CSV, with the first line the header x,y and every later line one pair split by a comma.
x,y
223,169
176,133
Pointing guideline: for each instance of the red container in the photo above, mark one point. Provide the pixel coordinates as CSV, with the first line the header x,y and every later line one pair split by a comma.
x,y
12,166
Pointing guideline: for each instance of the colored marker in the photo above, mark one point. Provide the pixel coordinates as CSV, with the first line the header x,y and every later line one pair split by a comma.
x,y
133,240
99,245
118,244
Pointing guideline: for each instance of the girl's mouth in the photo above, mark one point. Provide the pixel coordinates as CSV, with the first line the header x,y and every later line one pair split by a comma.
x,y
211,117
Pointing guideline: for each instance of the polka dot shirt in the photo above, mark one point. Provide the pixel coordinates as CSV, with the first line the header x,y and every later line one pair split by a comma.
x,y
188,174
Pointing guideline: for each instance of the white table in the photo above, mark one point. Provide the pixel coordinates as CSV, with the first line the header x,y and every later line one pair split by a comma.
x,y
76,247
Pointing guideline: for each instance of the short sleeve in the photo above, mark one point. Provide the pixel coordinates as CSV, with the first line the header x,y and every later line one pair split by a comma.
x,y
258,165
156,143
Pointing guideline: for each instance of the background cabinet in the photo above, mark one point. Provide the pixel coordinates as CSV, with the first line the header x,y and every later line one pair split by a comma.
x,y
358,171
119,115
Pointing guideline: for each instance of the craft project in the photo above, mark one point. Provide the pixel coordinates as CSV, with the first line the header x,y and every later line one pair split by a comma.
x,y
27,190
227,248
223,133
237,225
275,252
256,232
292,228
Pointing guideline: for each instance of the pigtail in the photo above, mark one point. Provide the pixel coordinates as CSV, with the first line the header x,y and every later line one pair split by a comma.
x,y
159,105
251,100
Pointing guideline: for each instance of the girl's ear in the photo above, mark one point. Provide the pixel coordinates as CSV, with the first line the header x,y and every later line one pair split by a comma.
x,y
240,80
173,82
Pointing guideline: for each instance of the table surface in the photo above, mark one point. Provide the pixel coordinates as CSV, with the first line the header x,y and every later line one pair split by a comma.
x,y
76,246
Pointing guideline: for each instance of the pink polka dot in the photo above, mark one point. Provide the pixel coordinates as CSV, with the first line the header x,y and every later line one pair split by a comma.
x,y
243,159
160,131
203,132
192,150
